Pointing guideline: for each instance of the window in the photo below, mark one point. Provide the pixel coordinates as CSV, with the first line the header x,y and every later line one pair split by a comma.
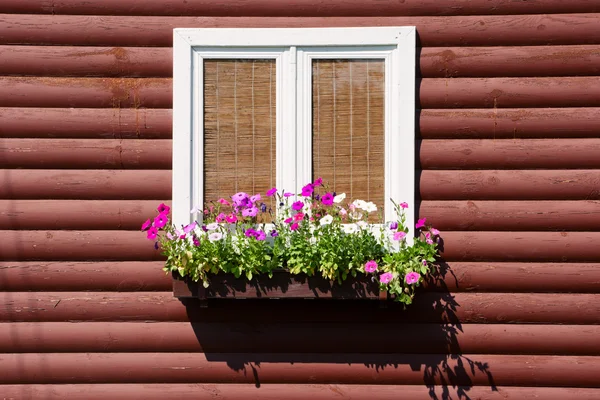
x,y
257,108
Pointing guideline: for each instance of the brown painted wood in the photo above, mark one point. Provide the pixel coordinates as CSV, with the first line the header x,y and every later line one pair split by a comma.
x,y
477,30
296,8
510,123
76,214
147,62
113,93
508,154
390,369
85,123
481,308
85,184
510,185
509,92
533,61
114,337
290,391
512,215
85,154
72,276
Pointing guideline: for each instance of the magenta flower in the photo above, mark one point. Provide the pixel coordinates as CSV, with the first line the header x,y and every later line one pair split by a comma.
x,y
399,235
287,220
271,192
327,199
307,190
393,226
299,217
231,218
260,235
294,226
404,205
163,208
412,277
386,277
250,212
370,266
420,223
196,241
255,198
224,202
288,194
160,220
239,197
146,225
189,228
250,232
318,182
152,233
221,217
297,205
434,231
424,263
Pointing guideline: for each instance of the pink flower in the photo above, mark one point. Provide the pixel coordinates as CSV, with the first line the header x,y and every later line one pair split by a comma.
x,y
412,277
404,205
260,235
434,231
152,233
146,224
386,277
370,266
271,192
327,199
196,241
224,202
307,190
250,212
294,226
163,208
160,220
287,220
231,218
288,194
221,217
429,241
318,182
255,198
189,228
399,235
420,223
299,217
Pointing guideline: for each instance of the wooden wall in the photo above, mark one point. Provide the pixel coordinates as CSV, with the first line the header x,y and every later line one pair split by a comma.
x,y
509,170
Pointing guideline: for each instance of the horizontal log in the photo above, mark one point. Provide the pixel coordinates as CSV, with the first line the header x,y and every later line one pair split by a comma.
x,y
295,8
85,184
509,123
85,123
75,214
431,307
512,215
510,185
86,154
389,369
290,391
113,93
476,30
534,61
509,92
113,337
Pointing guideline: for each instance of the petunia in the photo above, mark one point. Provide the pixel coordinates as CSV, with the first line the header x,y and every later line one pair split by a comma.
x,y
250,212
152,233
393,225
420,223
412,277
195,240
224,202
404,205
307,190
221,217
326,220
343,212
359,204
163,208
434,231
231,218
327,199
399,235
297,205
288,194
212,227
160,220
263,207
370,207
215,236
274,233
170,236
386,277
429,241
424,263
146,224
255,198
371,266
287,220
271,192
238,197
294,226
189,228
260,235
318,182
299,217
339,198
350,229
250,232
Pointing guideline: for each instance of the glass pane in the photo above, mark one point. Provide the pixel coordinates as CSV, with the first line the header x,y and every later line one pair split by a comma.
x,y
348,127
239,128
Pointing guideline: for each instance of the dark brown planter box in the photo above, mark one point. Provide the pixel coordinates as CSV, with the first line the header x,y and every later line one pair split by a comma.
x,y
281,286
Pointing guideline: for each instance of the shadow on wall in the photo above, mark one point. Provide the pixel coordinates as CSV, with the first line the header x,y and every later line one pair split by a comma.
x,y
343,341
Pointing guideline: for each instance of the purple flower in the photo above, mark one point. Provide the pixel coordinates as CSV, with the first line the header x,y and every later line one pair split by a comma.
x,y
146,224
327,199
307,190
412,277
152,233
318,182
317,197
393,226
271,192
163,208
370,266
255,198
250,232
239,197
386,277
274,234
288,194
250,212
260,235
298,205
263,207
294,226
420,223
160,220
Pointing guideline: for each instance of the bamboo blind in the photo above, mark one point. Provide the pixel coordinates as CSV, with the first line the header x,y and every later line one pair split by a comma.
x,y
348,127
239,127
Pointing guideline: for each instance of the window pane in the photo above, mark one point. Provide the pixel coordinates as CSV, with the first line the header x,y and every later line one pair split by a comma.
x,y
239,127
348,127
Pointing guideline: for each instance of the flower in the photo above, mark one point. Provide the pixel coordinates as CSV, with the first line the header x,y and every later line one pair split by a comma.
x,y
339,198
160,220
362,224
215,236
350,228
250,232
386,277
212,227
146,224
250,212
189,228
412,277
170,236
163,208
370,207
327,199
429,241
326,220
318,182
424,262
299,217
399,235
195,210
434,231
294,226
224,202
152,233
255,198
260,235
274,233
343,212
359,204
371,266
238,197
288,194
404,205
298,205
420,223
271,192
231,218
288,220
195,240
307,190
393,225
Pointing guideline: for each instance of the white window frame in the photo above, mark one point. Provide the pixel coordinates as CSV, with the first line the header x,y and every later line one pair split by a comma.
x,y
293,50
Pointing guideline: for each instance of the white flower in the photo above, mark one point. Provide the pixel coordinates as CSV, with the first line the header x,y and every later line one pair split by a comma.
x,y
339,198
350,228
370,207
196,209
215,236
360,204
362,224
212,227
326,220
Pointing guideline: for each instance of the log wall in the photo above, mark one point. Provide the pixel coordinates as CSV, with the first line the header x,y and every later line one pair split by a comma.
x,y
508,167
